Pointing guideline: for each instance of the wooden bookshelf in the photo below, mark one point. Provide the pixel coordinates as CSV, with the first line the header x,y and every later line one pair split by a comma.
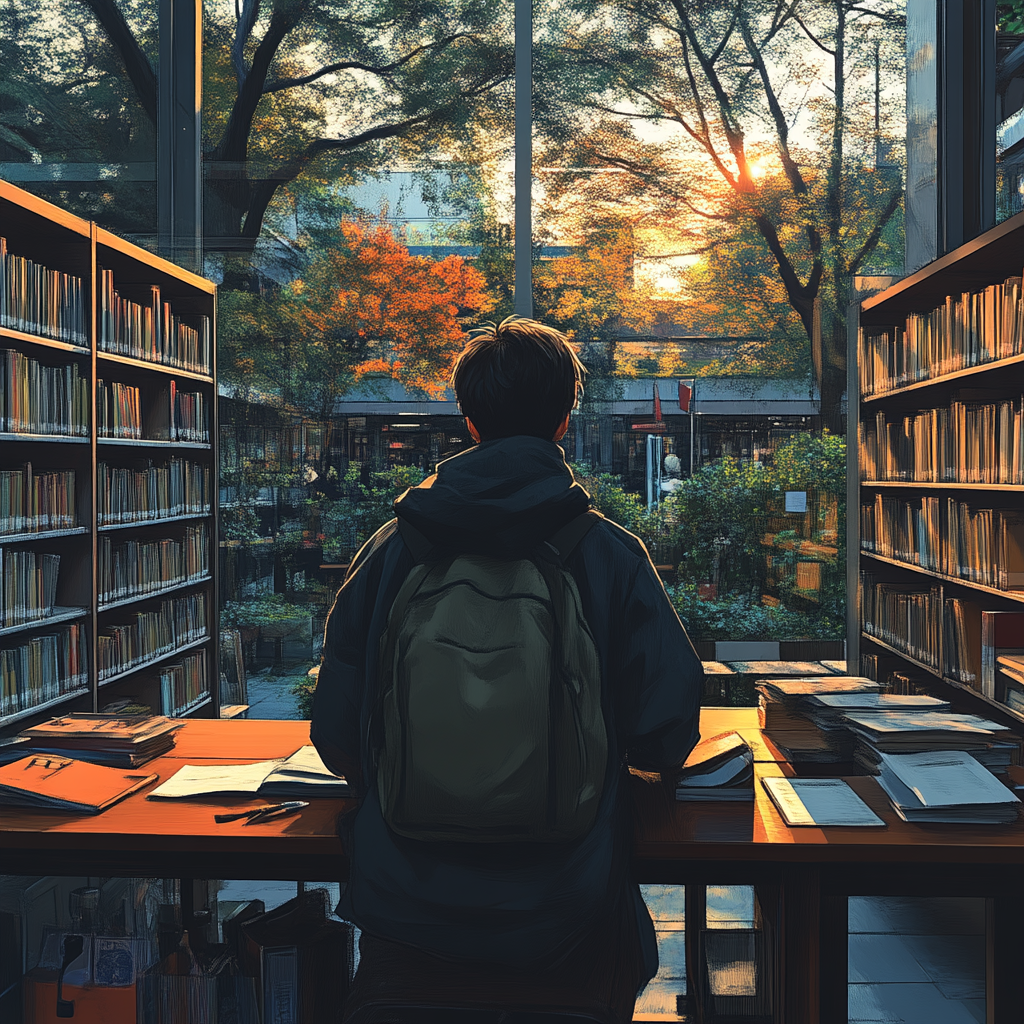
x,y
991,344
52,238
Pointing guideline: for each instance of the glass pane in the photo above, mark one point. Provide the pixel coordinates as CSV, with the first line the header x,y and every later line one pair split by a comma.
x,y
78,111
1009,114
917,959
660,1000
690,188
357,221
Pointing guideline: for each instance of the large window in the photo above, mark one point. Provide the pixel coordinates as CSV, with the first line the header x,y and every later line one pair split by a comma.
x,y
705,186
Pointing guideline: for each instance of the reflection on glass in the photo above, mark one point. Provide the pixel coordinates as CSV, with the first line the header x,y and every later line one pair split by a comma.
x,y
78,111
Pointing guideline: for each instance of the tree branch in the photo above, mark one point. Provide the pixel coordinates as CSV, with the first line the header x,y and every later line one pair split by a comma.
x,y
876,232
810,35
243,29
136,63
235,143
384,69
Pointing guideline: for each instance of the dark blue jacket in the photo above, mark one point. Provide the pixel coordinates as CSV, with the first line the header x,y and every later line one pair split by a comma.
x,y
517,905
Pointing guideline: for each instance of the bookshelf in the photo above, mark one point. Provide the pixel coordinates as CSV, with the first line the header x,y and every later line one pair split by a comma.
x,y
108,472
937,421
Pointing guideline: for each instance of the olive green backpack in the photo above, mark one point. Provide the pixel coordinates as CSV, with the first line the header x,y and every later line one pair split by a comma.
x,y
489,726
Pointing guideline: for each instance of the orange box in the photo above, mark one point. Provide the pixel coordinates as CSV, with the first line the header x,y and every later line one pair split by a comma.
x,y
93,1005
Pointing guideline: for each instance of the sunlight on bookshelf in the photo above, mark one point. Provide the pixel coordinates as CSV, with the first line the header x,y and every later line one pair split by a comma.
x,y
940,438
36,300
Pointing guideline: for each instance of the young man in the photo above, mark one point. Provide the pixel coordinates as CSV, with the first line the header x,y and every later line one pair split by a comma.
x,y
562,918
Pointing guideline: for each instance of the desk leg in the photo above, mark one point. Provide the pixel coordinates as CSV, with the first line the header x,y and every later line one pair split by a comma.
x,y
1005,981
834,992
801,933
698,987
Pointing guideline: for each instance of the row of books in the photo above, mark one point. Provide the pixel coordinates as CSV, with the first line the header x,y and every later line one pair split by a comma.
x,y
969,329
36,300
127,495
150,634
149,330
189,416
42,669
905,618
969,443
184,685
32,502
133,567
944,535
29,586
184,415
118,410
40,399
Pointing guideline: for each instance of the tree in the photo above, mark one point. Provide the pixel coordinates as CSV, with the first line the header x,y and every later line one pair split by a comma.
x,y
363,307
693,103
288,85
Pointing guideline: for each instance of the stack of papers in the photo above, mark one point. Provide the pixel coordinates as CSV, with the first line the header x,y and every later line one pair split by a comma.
x,y
64,784
719,768
819,802
945,786
831,708
123,742
301,775
783,712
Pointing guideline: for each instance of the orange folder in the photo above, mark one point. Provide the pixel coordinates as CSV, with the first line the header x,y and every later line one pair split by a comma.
x,y
63,784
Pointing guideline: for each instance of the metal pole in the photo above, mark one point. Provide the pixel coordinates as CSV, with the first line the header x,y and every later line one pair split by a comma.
x,y
524,158
693,420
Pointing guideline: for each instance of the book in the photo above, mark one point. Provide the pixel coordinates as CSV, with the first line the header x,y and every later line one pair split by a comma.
x,y
907,618
302,774
65,784
146,491
37,398
945,786
136,567
819,802
1002,635
37,300
184,685
718,768
124,741
42,669
914,731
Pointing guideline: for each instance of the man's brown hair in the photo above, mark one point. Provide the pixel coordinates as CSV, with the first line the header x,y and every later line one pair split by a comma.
x,y
517,377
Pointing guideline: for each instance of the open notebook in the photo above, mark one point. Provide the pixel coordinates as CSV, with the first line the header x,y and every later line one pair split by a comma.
x,y
301,775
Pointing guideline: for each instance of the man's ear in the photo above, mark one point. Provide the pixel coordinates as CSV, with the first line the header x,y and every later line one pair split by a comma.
x,y
473,432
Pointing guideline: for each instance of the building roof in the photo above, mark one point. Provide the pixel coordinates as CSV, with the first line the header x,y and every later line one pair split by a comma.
x,y
715,396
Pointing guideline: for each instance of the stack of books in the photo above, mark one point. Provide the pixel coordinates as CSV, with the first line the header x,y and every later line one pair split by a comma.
x,y
945,786
718,768
905,732
120,742
783,713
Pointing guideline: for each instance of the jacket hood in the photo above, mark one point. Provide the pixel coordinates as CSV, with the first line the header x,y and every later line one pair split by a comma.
x,y
503,497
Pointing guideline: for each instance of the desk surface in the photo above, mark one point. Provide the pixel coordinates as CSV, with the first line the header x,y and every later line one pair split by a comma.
x,y
175,837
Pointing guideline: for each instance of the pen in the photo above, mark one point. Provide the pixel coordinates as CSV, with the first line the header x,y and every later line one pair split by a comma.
x,y
262,813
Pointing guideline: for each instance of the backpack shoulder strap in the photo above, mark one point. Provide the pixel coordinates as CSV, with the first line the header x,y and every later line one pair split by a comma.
x,y
563,542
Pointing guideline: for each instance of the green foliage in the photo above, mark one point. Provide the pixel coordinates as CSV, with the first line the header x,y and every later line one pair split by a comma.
x,y
347,522
266,610
304,690
737,617
1010,17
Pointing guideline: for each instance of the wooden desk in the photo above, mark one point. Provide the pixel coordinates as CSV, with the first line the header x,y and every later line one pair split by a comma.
x,y
802,876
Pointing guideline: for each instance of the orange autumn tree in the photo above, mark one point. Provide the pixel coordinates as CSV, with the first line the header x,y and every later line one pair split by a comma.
x,y
368,308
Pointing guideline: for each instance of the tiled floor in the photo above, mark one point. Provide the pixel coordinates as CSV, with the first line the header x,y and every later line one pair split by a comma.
x,y
917,960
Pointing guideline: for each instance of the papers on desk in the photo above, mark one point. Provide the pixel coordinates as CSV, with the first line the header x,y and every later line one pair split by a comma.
x,y
894,732
63,784
819,802
718,768
945,786
301,775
